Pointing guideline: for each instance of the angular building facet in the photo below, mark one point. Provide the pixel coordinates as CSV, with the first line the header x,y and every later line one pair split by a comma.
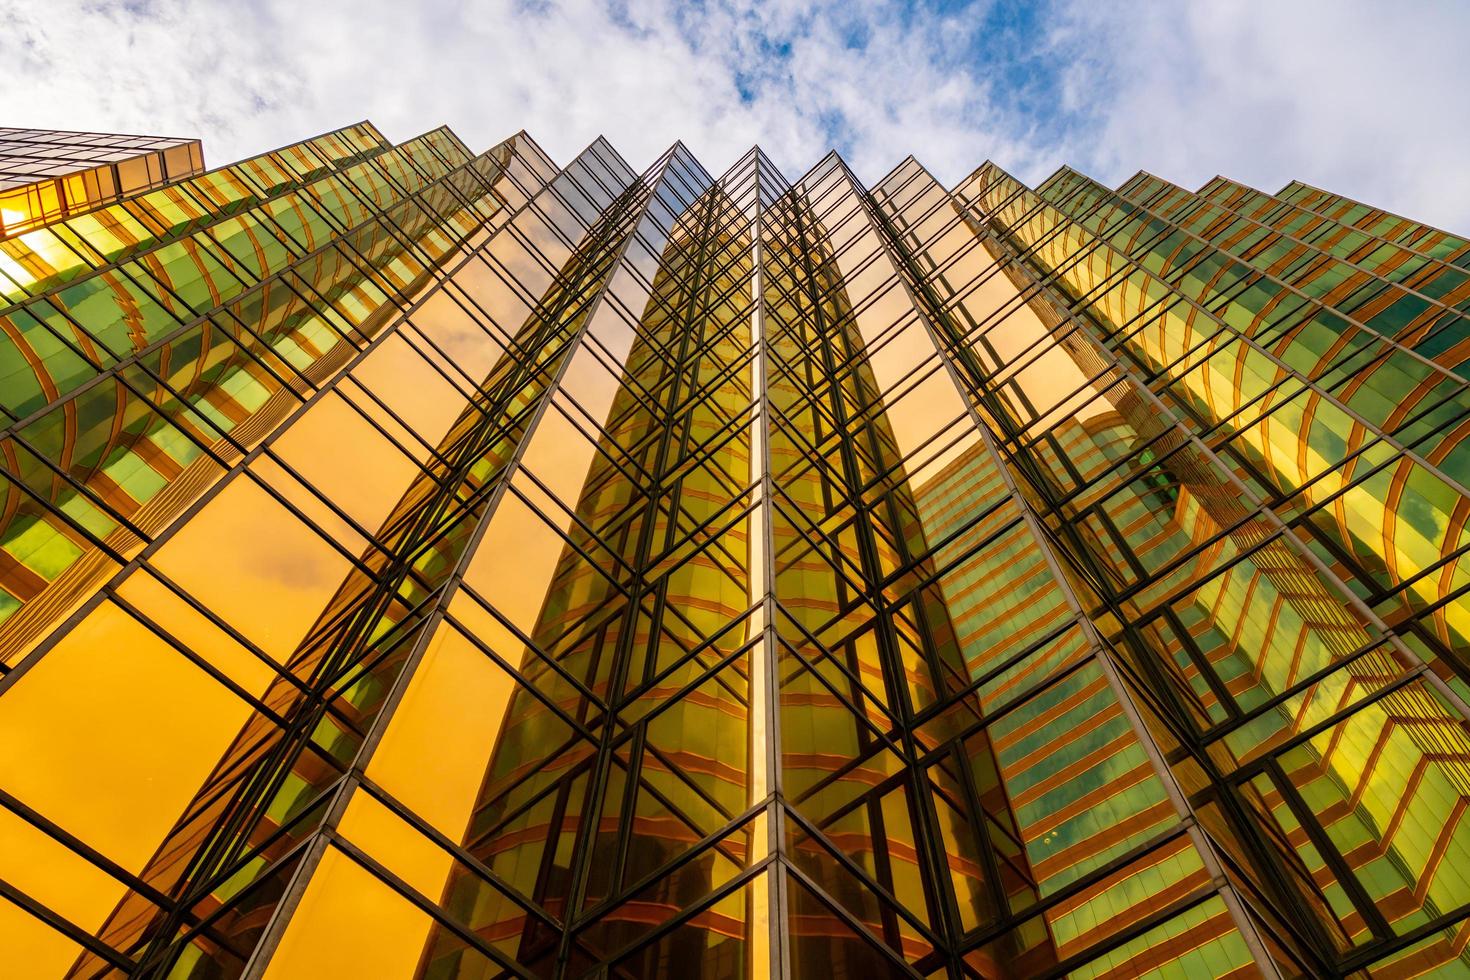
x,y
417,563
46,174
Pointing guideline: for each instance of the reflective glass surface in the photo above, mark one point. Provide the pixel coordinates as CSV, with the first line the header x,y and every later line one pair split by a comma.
x,y
417,563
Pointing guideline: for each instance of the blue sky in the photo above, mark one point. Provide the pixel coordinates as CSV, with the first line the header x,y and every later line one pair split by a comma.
x,y
1363,97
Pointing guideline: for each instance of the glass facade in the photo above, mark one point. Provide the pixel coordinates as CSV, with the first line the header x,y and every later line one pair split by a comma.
x,y
47,174
421,563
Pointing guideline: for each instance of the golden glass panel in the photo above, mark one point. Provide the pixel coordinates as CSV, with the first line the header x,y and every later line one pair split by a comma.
x,y
33,950
256,565
57,877
395,844
111,734
349,924
174,616
411,388
437,746
344,458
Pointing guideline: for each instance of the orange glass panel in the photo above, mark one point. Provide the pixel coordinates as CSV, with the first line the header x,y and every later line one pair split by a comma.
x,y
190,627
111,734
32,949
410,387
345,459
391,841
438,743
54,875
349,924
256,565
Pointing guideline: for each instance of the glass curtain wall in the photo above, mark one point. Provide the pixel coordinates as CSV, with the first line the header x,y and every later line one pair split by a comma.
x,y
417,563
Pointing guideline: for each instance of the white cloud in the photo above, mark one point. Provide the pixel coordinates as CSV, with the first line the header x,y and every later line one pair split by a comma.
x,y
1360,97
1357,96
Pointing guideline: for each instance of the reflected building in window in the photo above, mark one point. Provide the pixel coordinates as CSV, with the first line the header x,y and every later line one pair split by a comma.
x,y
422,563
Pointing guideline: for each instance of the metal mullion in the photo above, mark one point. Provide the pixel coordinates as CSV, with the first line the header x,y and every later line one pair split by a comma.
x,y
986,718
659,350
623,465
808,528
1365,957
842,564
998,381
692,656
665,871
382,165
65,927
371,537
267,774
838,910
1269,913
224,679
339,678
507,340
883,893
1188,438
9,421
619,665
1037,287
396,539
658,932
1255,767
1332,857
860,716
262,220
698,460
13,673
111,591
1404,654
1286,236
81,487
840,774
1118,475
93,266
551,661
1430,607
465,935
809,403
556,788
1316,305
703,395
456,851
632,789
1035,211
81,848
884,336
1147,577
942,272
1133,635
418,205
621,563
974,808
635,777
189,186
713,545
1134,931
1009,921
933,576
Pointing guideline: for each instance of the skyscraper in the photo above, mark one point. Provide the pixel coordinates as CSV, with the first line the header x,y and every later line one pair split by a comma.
x,y
47,174
416,563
